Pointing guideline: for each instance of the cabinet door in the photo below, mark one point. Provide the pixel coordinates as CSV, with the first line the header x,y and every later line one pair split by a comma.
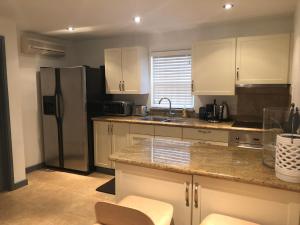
x,y
263,59
160,185
165,131
135,70
102,144
113,70
120,137
213,67
141,133
249,202
217,137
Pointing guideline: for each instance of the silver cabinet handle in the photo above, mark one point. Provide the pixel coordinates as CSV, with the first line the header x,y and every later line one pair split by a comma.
x,y
196,204
120,86
204,131
237,73
187,194
123,86
111,129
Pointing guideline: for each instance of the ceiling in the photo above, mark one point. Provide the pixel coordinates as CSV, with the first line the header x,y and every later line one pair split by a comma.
x,y
98,18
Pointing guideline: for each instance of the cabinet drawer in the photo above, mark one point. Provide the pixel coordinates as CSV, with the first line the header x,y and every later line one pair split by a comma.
x,y
142,129
164,131
205,134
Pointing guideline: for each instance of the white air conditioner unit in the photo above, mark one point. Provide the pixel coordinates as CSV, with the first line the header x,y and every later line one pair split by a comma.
x,y
31,45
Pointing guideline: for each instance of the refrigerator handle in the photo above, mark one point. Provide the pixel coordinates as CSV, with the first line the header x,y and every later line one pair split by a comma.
x,y
61,105
57,106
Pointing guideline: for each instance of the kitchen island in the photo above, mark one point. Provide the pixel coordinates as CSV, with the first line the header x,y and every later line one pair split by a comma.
x,y
201,179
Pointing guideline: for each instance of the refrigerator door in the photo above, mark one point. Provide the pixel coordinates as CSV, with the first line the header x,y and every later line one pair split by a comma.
x,y
74,118
49,117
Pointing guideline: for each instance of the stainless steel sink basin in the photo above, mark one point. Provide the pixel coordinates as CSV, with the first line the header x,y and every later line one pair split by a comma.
x,y
162,119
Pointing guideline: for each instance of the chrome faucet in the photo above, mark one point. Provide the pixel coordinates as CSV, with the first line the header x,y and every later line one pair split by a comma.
x,y
170,106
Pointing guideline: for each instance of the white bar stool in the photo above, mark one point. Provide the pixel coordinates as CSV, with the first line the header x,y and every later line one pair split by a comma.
x,y
217,219
134,210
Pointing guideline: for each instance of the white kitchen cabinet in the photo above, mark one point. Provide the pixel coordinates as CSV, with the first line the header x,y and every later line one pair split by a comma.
x,y
102,144
213,67
113,70
120,137
169,132
209,136
109,138
263,59
127,70
165,186
140,132
261,205
135,69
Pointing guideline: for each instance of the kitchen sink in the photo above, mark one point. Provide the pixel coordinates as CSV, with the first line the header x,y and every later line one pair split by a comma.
x,y
162,119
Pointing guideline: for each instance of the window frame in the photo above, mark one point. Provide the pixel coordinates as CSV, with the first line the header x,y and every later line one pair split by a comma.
x,y
162,54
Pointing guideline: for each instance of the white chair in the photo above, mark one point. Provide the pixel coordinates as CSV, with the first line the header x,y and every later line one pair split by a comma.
x,y
134,210
217,219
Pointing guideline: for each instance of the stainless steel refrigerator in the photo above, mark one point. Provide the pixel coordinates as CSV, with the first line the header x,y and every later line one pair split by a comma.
x,y
70,98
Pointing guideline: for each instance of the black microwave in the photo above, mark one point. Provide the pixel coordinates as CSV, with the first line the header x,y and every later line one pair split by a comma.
x,y
118,108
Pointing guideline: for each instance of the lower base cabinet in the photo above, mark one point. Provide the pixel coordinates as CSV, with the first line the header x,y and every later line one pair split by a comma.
x,y
195,197
266,206
169,187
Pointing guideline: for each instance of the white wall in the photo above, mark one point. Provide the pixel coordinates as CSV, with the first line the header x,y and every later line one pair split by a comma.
x,y
9,31
296,60
29,66
91,51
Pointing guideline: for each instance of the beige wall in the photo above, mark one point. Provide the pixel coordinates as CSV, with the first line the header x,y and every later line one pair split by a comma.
x,y
9,31
91,51
296,60
29,66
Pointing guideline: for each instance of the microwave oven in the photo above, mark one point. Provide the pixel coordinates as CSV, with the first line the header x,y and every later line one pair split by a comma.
x,y
118,108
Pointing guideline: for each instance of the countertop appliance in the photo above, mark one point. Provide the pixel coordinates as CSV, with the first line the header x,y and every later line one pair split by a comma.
x,y
118,108
214,113
70,97
140,110
245,139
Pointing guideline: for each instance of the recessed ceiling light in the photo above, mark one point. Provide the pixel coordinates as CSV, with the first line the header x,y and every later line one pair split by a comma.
x,y
137,19
228,6
70,29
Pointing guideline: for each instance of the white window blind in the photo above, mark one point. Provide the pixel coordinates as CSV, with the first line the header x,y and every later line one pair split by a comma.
x,y
171,78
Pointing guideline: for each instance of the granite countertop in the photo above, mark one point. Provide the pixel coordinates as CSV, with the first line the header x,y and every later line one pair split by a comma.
x,y
181,122
230,163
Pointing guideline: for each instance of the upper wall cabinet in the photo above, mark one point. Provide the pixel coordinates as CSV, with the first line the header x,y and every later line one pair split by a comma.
x,y
127,70
213,67
263,59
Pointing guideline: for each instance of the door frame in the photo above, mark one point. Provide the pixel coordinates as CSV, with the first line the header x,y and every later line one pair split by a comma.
x,y
5,129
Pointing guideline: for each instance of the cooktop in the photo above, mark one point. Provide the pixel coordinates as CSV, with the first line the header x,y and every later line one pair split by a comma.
x,y
248,124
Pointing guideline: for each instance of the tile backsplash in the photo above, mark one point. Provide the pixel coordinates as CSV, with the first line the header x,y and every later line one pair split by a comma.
x,y
252,100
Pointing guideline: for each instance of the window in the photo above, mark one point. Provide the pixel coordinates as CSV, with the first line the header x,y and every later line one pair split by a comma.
x,y
171,77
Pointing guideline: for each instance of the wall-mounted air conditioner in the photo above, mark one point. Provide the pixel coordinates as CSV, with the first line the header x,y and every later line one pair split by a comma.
x,y
31,45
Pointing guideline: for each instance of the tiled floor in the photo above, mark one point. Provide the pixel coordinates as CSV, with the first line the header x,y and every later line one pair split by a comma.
x,y
53,198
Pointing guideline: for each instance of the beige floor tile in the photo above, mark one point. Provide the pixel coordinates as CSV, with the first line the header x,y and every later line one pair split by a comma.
x,y
54,198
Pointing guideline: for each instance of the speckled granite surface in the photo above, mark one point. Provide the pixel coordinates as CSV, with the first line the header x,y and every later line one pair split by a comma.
x,y
188,122
242,165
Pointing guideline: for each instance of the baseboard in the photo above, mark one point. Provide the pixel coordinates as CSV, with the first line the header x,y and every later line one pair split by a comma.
x,y
104,170
18,185
35,167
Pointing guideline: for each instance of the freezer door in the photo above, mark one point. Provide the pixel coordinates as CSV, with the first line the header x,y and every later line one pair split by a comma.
x,y
74,118
49,120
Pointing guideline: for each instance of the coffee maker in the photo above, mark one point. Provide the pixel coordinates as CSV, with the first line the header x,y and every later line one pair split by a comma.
x,y
214,113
